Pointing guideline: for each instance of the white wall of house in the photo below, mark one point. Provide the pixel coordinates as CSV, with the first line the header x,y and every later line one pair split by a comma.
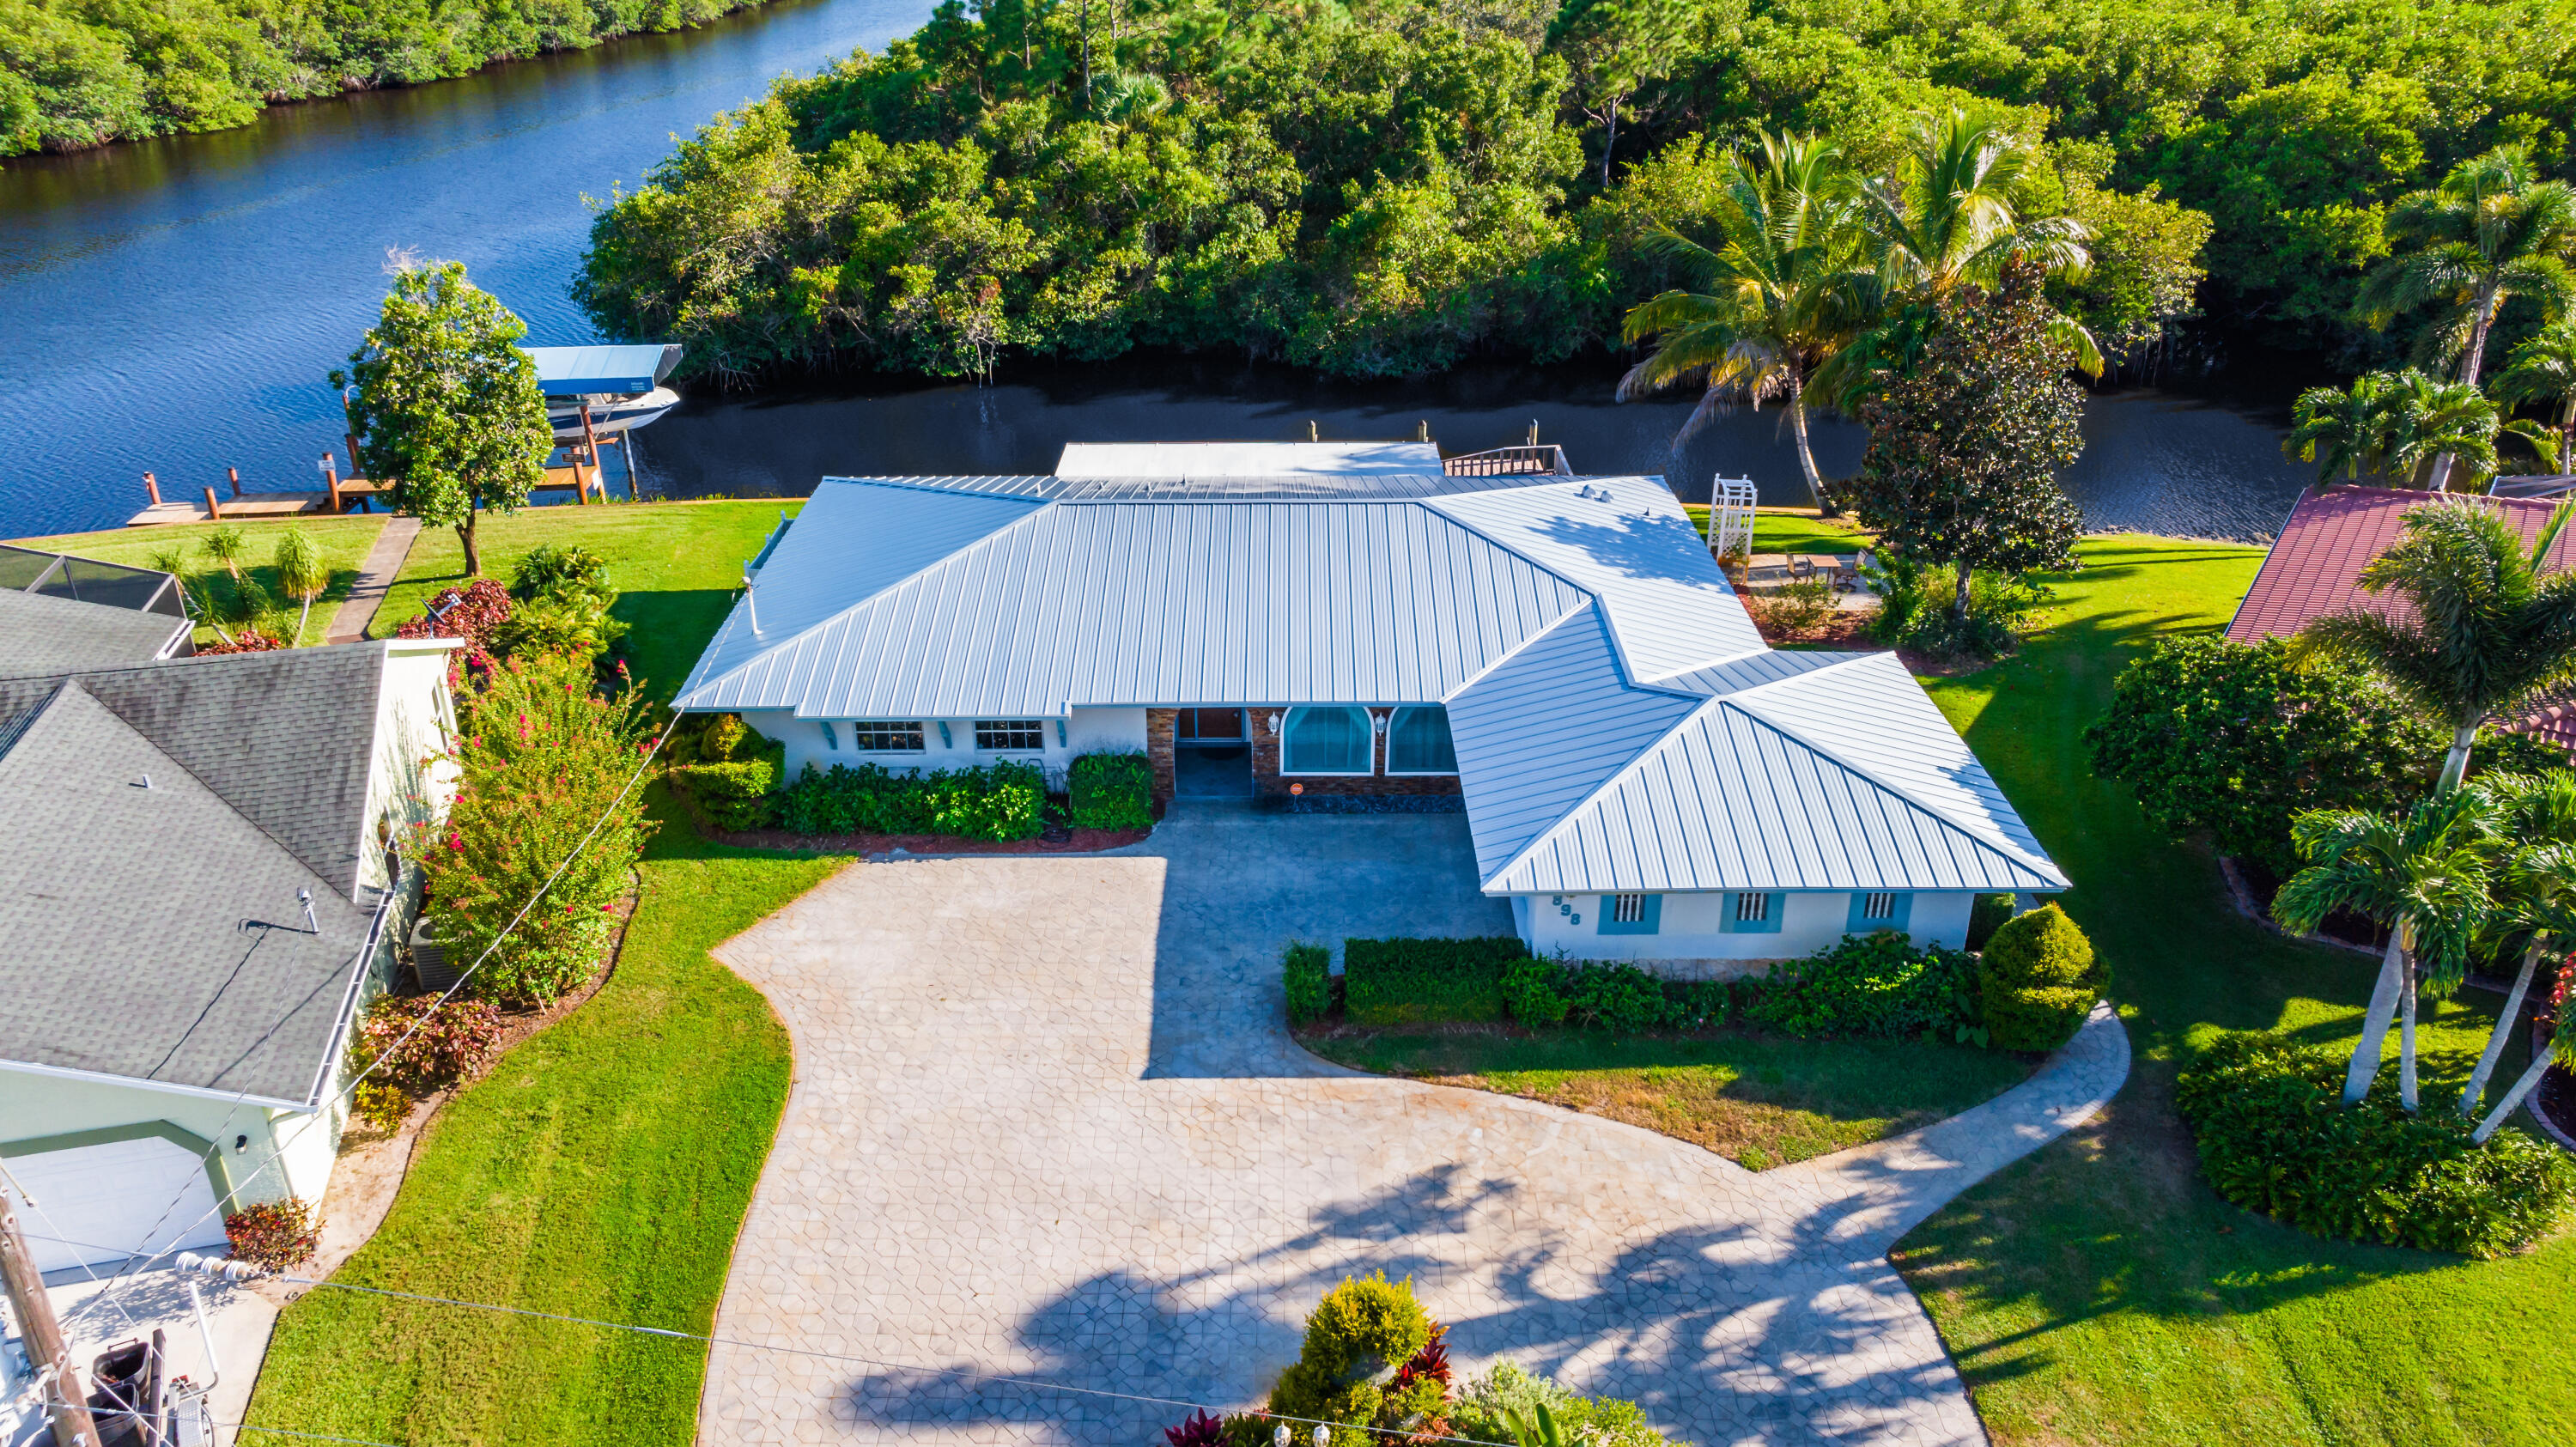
x,y
411,779
1693,926
1082,731
279,1154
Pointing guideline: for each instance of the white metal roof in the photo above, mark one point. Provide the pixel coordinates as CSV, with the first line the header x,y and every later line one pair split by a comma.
x,y
1620,725
1088,460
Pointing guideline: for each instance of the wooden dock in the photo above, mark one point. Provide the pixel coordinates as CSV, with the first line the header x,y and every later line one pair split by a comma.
x,y
581,477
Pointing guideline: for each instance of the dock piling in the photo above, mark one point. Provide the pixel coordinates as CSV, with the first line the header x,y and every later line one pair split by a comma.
x,y
331,482
233,476
214,506
152,485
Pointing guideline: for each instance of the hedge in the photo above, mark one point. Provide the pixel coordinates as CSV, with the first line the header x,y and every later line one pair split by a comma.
x,y
1426,981
2276,1138
1878,985
992,801
1610,995
1307,970
1111,791
2038,979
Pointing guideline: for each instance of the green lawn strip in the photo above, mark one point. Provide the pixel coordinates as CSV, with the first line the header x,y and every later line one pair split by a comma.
x,y
677,566
1758,1100
2100,1292
1793,532
344,541
601,1169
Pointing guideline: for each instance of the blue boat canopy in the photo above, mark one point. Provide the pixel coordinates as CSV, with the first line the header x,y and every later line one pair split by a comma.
x,y
580,371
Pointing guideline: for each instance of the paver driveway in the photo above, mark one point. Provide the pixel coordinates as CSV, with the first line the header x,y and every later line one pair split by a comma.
x,y
1046,1124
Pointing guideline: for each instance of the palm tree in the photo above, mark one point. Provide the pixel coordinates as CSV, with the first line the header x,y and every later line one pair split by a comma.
x,y
2543,371
2535,895
2434,424
301,574
2490,627
192,599
1780,292
2349,427
2424,877
224,545
1947,217
2490,232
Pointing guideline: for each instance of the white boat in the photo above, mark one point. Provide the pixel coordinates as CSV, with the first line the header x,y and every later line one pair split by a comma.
x,y
622,387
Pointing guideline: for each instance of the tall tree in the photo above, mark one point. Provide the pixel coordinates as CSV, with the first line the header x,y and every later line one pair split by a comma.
x,y
1785,285
2423,875
2394,425
2490,627
2535,896
446,405
2542,371
1613,47
1964,448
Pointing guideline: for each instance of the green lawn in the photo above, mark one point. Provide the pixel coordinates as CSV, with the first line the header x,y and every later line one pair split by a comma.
x,y
344,541
600,1170
1758,1100
2099,1292
678,565
1793,531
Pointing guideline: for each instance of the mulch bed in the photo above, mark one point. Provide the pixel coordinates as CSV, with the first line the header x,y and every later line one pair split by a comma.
x,y
1075,841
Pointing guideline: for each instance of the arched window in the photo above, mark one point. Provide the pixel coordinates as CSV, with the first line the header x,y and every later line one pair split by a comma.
x,y
1325,739
1417,741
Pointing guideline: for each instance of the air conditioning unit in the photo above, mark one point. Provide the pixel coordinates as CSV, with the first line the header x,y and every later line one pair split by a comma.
x,y
429,963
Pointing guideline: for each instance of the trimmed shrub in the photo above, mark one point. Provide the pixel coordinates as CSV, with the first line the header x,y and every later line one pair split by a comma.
x,y
1878,984
1533,991
992,801
2039,979
279,1235
1485,1409
2276,1138
1986,915
1426,981
1362,1330
736,788
1111,791
1308,972
381,1106
452,1041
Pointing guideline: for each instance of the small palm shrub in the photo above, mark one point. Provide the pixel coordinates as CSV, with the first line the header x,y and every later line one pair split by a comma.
x,y
276,1236
1878,985
2276,1138
1111,791
1307,970
2039,979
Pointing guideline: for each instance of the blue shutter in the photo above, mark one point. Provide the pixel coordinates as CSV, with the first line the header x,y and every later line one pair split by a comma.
x,y
830,737
1650,917
1776,904
1901,910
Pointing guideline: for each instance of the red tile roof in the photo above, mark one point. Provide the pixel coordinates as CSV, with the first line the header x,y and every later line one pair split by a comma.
x,y
2315,566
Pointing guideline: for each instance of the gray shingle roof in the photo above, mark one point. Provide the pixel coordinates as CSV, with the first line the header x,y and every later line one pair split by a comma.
x,y
285,738
52,635
155,932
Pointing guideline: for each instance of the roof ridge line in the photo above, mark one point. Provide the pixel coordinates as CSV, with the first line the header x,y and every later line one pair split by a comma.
x,y
1608,781
1481,674
1845,661
826,621
2005,848
1618,646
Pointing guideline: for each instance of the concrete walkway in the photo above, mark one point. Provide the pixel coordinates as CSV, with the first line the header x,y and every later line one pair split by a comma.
x,y
1046,1123
384,563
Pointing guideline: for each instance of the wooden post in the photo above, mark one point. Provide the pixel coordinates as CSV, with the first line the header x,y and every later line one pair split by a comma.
x,y
626,450
66,1405
331,480
214,509
152,485
590,444
233,475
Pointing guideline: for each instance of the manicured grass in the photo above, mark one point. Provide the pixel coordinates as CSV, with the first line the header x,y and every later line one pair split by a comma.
x,y
2100,1292
1758,1100
344,541
1793,531
678,566
600,1170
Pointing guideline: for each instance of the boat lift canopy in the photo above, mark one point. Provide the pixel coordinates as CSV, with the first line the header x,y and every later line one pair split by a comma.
x,y
585,371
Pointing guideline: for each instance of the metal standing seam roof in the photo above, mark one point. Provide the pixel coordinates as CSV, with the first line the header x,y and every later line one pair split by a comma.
x,y
1204,460
2314,566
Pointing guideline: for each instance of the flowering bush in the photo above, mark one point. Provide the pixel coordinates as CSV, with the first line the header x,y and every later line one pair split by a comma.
x,y
450,1042
543,761
475,613
277,1236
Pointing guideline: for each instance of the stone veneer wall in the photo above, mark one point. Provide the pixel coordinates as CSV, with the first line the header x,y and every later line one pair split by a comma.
x,y
1267,781
1161,726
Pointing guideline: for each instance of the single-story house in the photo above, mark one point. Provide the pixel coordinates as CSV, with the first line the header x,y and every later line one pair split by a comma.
x,y
201,891
1559,655
2314,567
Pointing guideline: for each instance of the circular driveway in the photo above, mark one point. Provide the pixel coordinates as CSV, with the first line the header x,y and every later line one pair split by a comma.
x,y
1046,1123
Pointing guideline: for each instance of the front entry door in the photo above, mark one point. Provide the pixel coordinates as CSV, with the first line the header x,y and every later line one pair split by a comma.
x,y
1212,757
1211,726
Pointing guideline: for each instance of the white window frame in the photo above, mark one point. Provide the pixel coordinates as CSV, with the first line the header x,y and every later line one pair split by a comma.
x,y
1396,773
1036,728
919,731
1368,732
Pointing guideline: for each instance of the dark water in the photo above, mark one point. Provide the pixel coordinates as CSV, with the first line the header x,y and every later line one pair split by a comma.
x,y
175,305
2154,461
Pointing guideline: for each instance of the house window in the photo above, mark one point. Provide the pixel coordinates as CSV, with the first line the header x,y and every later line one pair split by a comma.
x,y
1754,912
1875,910
1632,914
1417,741
998,735
1325,739
885,736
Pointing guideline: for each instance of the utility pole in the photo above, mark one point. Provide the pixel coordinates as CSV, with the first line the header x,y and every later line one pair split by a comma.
x,y
65,1404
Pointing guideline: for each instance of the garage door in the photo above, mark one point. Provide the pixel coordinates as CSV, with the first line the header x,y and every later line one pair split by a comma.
x,y
114,1197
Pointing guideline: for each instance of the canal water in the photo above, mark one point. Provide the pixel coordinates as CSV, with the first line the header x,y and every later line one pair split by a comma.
x,y
174,306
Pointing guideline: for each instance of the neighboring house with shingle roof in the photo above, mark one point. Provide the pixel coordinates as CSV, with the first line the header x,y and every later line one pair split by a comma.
x,y
1558,655
61,611
197,897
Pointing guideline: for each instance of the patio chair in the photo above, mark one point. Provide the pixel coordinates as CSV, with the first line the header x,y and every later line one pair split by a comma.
x,y
1801,569
1846,572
